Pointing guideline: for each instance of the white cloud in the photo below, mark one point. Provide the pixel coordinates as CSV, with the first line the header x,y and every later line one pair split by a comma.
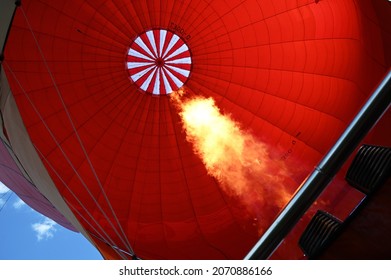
x,y
3,188
18,204
45,229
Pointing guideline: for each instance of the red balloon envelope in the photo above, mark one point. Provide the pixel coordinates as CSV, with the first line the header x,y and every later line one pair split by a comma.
x,y
94,83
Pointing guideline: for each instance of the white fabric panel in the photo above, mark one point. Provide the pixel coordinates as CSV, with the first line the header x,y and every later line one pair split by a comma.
x,y
27,155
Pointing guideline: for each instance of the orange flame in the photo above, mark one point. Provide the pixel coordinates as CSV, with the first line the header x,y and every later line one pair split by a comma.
x,y
239,162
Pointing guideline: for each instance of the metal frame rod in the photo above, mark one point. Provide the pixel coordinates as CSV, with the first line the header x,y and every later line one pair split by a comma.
x,y
317,181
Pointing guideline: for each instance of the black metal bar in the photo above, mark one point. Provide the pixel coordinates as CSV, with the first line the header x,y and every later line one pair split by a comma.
x,y
318,180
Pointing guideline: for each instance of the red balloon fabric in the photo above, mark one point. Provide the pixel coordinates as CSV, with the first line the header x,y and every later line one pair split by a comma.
x,y
93,81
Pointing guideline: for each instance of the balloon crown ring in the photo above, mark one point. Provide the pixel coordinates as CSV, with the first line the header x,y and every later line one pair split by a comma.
x,y
158,62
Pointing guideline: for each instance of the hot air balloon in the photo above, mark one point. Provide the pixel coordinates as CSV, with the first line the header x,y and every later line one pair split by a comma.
x,y
101,129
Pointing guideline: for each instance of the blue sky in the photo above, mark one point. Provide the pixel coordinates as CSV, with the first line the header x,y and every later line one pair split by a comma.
x,y
28,235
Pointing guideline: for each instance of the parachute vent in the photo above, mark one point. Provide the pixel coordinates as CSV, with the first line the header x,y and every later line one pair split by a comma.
x,y
158,62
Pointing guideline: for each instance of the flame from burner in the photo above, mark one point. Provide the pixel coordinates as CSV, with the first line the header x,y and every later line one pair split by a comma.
x,y
239,162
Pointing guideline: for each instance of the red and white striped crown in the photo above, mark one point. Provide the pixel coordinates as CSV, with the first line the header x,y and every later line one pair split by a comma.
x,y
158,62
